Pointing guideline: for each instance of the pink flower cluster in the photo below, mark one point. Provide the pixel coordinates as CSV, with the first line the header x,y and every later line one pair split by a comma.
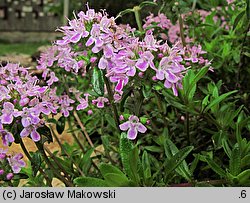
x,y
10,164
92,39
24,102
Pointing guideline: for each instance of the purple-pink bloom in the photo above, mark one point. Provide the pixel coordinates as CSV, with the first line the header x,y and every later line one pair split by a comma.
x,y
95,38
100,101
4,93
73,33
121,80
2,153
16,162
145,60
52,79
65,103
83,103
133,126
8,113
30,130
171,70
7,137
29,116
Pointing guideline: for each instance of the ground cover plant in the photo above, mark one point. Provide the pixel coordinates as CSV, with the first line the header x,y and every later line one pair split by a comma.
x,y
165,103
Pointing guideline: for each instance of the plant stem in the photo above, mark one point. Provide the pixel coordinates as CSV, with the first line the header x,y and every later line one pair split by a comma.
x,y
54,170
57,162
75,137
188,129
83,128
241,64
182,31
31,161
194,5
111,99
136,10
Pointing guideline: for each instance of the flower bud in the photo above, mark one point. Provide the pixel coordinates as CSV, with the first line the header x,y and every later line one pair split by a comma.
x,y
121,118
154,78
1,172
93,59
141,74
160,55
90,112
9,176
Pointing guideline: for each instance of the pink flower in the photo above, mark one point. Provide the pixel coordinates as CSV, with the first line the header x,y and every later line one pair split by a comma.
x,y
4,93
31,130
7,137
2,153
133,126
8,113
100,101
145,60
83,103
16,162
65,103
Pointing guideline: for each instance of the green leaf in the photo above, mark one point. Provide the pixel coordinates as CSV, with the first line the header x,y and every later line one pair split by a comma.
x,y
226,147
97,81
244,177
116,180
89,182
126,147
186,85
51,120
205,101
245,161
85,161
133,164
146,165
215,167
154,149
122,13
20,176
198,76
36,162
147,3
177,159
235,160
218,100
60,124
107,168
170,151
110,120
194,163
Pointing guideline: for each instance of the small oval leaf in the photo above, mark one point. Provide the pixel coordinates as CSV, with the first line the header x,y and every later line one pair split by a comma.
x,y
98,81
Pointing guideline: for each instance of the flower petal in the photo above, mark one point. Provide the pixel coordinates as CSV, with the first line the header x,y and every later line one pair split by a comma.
x,y
141,128
35,135
6,119
132,133
25,132
125,126
142,65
